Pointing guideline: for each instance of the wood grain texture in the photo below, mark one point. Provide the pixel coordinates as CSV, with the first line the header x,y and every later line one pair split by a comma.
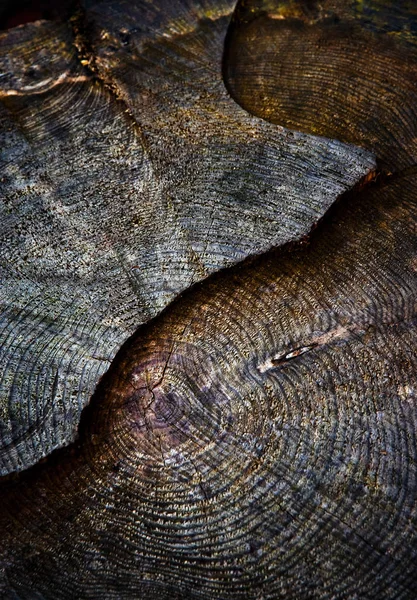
x,y
109,213
343,69
257,438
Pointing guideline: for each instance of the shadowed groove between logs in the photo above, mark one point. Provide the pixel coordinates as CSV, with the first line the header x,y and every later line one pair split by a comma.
x,y
245,482
377,180
287,185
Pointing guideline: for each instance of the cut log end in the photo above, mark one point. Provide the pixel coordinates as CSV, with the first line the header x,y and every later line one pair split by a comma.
x,y
257,438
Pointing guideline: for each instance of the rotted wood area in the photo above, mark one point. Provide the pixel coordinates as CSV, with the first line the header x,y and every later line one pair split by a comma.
x,y
208,381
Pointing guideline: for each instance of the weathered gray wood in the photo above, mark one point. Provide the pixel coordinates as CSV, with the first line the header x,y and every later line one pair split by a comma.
x,y
107,215
257,439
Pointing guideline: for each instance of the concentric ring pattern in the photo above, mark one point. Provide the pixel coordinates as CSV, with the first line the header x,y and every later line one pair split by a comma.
x,y
255,440
110,211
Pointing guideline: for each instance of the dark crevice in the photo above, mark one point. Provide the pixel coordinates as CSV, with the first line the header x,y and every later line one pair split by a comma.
x,y
376,179
346,202
86,56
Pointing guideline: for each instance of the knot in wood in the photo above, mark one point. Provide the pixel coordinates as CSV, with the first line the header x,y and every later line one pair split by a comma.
x,y
159,408
156,409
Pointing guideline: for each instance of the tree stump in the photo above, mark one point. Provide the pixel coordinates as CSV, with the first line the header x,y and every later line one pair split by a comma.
x,y
208,367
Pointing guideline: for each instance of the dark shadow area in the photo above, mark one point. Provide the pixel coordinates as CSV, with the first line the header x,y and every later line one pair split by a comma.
x,y
19,12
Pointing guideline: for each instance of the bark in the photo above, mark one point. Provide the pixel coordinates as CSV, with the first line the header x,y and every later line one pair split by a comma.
x,y
256,438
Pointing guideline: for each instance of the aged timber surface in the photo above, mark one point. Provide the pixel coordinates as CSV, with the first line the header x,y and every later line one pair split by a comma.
x,y
111,208
218,460
256,439
342,69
